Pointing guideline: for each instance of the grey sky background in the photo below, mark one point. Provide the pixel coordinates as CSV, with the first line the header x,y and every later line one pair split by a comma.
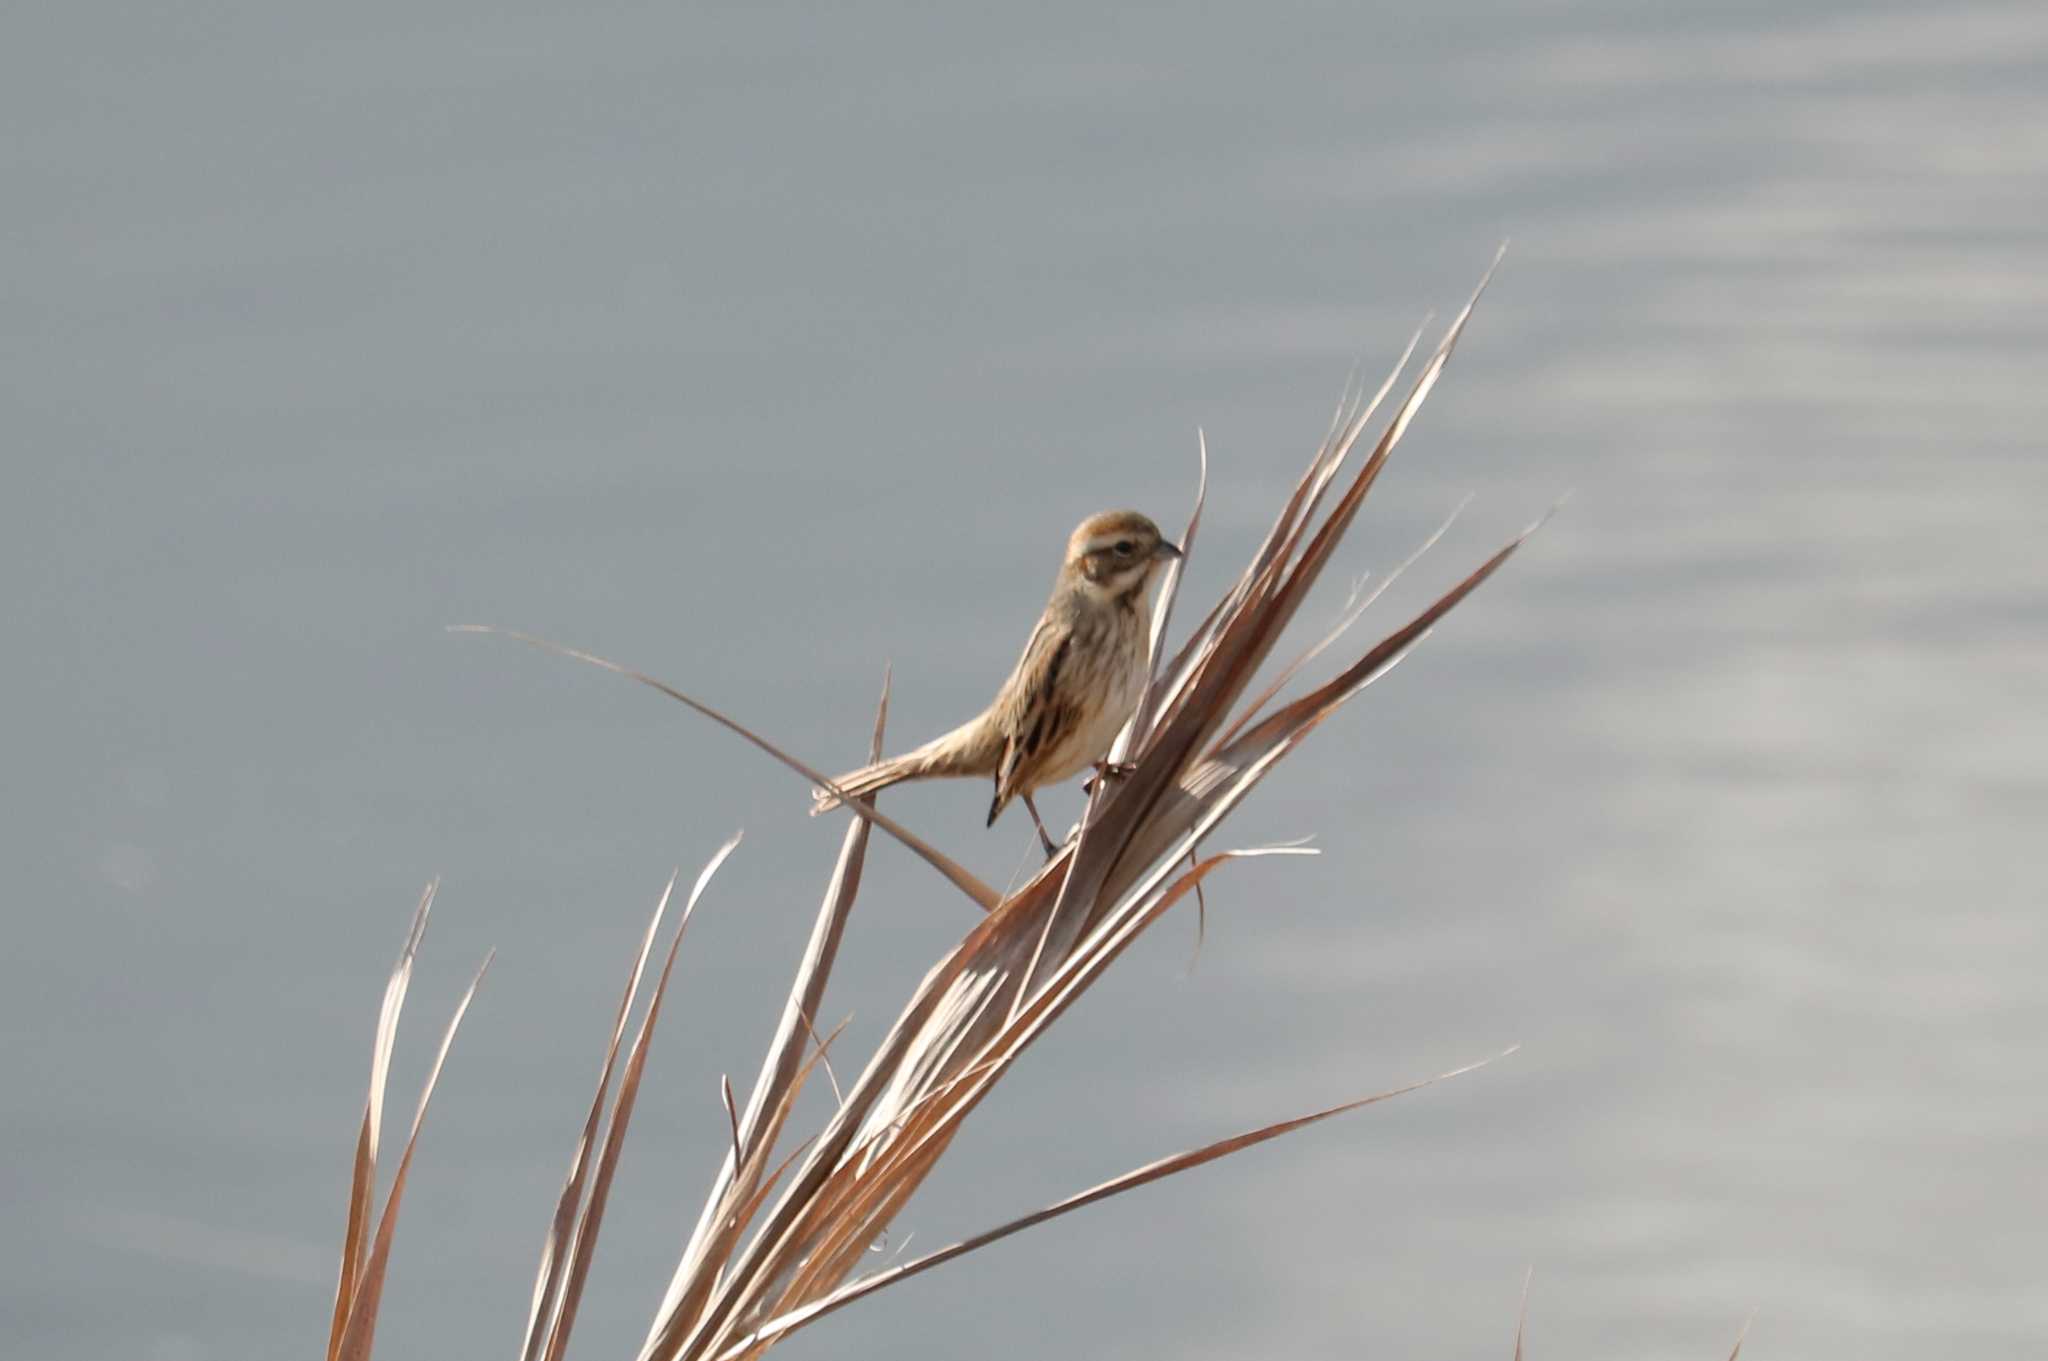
x,y
758,346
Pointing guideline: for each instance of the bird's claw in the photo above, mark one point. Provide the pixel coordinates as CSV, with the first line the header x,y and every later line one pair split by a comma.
x,y
1106,770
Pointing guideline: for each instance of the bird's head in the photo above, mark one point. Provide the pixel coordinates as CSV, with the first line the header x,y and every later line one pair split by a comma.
x,y
1113,555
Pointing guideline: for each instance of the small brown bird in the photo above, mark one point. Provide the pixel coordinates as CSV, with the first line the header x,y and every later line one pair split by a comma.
x,y
1072,691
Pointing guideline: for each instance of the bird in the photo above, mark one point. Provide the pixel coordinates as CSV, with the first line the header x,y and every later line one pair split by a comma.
x,y
1077,683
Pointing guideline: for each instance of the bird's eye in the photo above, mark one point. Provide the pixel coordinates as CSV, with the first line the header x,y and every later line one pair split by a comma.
x,y
1123,548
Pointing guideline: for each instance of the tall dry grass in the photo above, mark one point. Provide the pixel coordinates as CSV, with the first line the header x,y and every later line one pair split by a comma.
x,y
786,1224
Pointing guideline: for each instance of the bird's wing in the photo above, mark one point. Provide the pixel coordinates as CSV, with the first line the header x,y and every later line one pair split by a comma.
x,y
1032,712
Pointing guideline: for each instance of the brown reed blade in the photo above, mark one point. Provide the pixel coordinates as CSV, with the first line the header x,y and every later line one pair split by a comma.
x,y
720,1224
1522,1315
355,1244
1129,1181
984,897
1246,648
1325,698
571,1245
1162,612
1353,611
584,1243
359,1333
562,1231
866,1190
1169,684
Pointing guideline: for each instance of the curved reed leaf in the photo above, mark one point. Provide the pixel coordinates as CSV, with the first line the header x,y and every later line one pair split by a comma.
x,y
359,1332
984,897
355,1243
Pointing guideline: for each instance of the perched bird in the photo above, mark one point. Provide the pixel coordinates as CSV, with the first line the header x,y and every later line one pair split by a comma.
x,y
1072,691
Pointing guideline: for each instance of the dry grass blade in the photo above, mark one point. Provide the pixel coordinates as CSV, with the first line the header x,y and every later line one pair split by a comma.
x,y
871,1184
1129,1181
1522,1314
608,1159
1299,510
1289,591
355,1245
561,1233
1741,1337
1345,433
359,1332
984,897
560,1312
732,1114
1162,612
737,1190
1353,611
1296,718
1285,532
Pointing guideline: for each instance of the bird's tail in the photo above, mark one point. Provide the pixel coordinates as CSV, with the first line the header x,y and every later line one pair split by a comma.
x,y
865,781
960,752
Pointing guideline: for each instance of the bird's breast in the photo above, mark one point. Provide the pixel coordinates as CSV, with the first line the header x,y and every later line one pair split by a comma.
x,y
1108,677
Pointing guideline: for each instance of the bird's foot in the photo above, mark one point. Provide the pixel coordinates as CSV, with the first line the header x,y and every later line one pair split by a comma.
x,y
1107,770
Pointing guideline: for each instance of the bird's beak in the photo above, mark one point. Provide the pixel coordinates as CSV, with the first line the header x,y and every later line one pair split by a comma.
x,y
1166,550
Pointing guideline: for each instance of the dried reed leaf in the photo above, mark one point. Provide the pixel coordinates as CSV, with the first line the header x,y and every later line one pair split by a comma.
x,y
1162,610
736,1185
1293,720
360,1331
1352,612
1345,433
1201,641
1522,1315
1292,586
584,1244
355,1245
555,1314
955,873
858,1204
1140,1176
561,1232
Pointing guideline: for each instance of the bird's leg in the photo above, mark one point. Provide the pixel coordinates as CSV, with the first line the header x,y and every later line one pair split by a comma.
x,y
1107,770
1044,839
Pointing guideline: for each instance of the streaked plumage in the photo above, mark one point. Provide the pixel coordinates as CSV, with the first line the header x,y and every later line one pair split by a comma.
x,y
1076,685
